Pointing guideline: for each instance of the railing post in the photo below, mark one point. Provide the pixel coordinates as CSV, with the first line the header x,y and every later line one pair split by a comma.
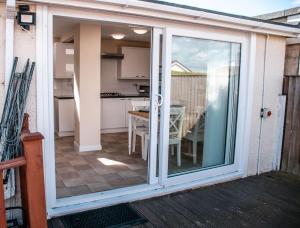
x,y
32,180
2,203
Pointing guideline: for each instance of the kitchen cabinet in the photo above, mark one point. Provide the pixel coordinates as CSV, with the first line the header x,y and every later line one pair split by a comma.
x,y
114,114
64,118
135,64
63,60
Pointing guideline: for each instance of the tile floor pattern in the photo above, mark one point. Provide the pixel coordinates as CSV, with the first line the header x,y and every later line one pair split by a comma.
x,y
110,168
96,171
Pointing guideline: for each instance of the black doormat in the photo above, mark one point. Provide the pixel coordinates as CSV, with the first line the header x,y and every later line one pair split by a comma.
x,y
121,215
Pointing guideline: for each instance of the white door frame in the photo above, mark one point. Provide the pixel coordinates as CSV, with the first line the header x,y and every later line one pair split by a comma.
x,y
242,114
46,117
162,184
155,103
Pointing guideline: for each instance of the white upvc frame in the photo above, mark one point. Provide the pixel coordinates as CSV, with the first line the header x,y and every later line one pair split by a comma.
x,y
239,163
154,81
45,117
157,186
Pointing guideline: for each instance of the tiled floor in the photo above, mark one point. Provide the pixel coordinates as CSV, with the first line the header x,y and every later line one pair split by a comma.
x,y
96,171
110,168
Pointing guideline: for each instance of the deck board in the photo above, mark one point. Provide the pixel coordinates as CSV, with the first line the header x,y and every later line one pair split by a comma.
x,y
268,200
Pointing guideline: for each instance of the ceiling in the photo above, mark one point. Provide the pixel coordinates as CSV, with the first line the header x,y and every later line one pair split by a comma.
x,y
62,25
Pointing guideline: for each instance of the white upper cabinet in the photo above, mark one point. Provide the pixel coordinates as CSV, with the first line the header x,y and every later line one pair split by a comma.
x,y
63,60
136,63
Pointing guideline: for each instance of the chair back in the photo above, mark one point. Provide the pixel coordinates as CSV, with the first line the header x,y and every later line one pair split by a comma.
x,y
140,105
176,121
198,128
137,106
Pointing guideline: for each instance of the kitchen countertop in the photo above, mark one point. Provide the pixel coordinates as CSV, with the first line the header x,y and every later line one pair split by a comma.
x,y
64,96
120,96
127,96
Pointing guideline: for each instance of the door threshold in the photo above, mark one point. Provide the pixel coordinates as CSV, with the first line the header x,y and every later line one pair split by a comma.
x,y
92,201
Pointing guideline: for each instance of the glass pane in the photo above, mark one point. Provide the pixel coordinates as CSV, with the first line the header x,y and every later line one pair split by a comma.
x,y
204,98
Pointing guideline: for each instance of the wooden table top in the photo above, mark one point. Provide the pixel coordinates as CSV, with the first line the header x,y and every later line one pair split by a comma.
x,y
140,114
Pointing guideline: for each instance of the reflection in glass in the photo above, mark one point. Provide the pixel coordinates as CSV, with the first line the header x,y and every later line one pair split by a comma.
x,y
204,87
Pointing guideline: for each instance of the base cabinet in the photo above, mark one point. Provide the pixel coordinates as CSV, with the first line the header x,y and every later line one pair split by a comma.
x,y
64,119
114,114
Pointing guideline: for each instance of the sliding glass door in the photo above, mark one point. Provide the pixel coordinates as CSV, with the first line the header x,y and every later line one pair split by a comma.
x,y
201,89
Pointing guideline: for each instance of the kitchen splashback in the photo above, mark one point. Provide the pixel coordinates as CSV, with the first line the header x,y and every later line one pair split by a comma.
x,y
63,86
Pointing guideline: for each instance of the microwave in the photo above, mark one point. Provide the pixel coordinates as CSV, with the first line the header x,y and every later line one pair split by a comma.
x,y
144,89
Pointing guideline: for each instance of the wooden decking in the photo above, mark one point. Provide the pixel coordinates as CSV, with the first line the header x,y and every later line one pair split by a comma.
x,y
269,200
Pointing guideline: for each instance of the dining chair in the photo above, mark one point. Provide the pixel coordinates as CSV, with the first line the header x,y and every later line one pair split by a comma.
x,y
196,133
139,127
175,131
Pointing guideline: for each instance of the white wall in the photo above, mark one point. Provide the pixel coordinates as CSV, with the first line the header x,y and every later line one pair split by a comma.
x,y
2,57
264,146
87,45
63,87
24,51
24,43
109,77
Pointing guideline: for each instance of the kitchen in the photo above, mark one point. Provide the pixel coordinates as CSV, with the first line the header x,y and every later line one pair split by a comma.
x,y
102,112
83,170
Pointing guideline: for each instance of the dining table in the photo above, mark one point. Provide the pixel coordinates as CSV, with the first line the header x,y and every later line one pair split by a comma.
x,y
138,115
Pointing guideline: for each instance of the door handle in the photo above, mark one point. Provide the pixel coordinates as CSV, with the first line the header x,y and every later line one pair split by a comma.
x,y
159,97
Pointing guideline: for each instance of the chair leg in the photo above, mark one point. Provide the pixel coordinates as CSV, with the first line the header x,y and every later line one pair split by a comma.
x,y
145,155
142,145
195,152
172,150
179,154
133,142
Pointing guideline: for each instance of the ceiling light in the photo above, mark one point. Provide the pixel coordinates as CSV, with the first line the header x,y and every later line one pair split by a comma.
x,y
140,31
118,36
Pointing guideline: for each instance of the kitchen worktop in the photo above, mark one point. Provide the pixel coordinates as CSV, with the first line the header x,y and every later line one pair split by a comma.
x,y
64,96
126,96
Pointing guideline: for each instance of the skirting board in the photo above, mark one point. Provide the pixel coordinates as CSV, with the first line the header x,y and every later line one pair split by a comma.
x,y
65,133
114,130
81,149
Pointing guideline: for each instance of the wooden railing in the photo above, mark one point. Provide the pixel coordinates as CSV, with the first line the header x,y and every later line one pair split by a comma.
x,y
31,179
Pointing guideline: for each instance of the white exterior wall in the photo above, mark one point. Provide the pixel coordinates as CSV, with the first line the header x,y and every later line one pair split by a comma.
x,y
266,144
273,87
2,57
24,47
